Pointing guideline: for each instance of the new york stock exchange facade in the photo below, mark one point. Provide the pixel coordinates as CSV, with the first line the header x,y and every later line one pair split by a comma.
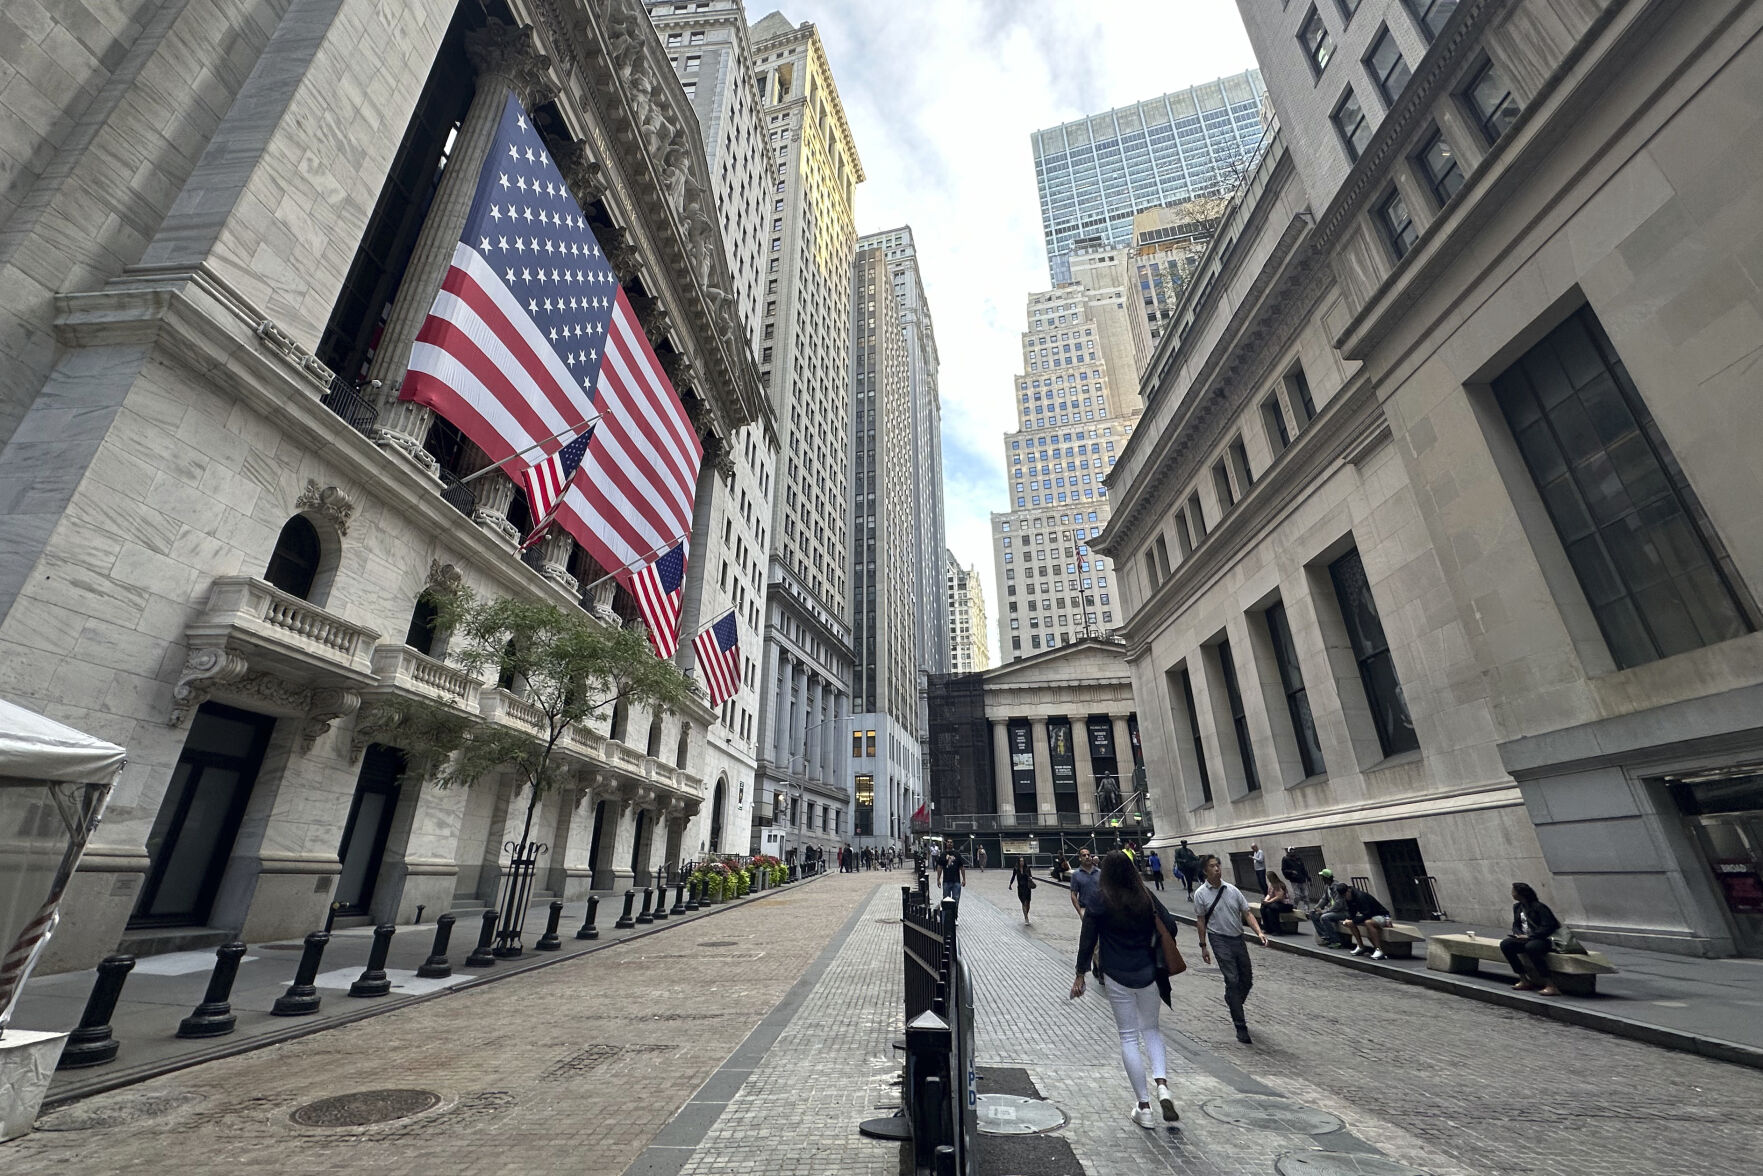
x,y
220,518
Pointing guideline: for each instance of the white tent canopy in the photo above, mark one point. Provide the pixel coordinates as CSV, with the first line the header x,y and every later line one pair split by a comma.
x,y
35,748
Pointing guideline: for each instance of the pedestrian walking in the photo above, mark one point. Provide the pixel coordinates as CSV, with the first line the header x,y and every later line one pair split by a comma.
x,y
1084,882
1156,864
1527,948
1297,874
1221,912
1126,937
954,874
1022,880
981,857
1187,864
1260,860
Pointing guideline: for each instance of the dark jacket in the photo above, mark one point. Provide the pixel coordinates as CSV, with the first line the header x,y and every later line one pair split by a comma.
x,y
1020,873
1128,945
1292,866
1543,922
1365,906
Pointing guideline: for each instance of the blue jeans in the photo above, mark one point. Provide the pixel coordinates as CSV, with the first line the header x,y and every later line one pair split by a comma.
x,y
1328,927
952,890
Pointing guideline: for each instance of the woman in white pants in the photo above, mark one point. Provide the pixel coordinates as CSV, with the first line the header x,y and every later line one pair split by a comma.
x,y
1125,933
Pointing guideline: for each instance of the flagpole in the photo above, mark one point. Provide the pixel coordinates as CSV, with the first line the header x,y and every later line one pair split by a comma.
x,y
540,444
643,558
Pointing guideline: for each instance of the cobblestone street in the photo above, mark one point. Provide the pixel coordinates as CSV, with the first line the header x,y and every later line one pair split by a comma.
x,y
756,1042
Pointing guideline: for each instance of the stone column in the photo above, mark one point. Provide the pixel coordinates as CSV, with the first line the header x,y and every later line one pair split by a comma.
x,y
555,550
1123,754
600,600
495,494
572,859
1004,789
812,729
694,609
1043,766
504,58
621,813
1086,768
774,682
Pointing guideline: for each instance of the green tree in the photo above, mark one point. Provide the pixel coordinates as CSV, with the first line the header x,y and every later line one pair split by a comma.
x,y
568,667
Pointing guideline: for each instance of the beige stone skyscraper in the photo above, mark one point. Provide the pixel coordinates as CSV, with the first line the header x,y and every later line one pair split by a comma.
x,y
1073,417
969,646
805,363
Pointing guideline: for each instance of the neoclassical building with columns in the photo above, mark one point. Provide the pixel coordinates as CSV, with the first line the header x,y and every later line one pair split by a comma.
x,y
219,518
1040,755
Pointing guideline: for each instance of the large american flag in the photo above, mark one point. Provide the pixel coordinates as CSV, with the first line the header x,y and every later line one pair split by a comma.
x,y
531,335
658,589
718,650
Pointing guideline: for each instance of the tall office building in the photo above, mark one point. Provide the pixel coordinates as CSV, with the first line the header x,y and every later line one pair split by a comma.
x,y
1073,417
930,617
710,54
885,745
805,363
1167,245
1095,173
969,647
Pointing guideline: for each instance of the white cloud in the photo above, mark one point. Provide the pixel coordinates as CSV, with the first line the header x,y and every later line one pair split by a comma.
x,y
941,98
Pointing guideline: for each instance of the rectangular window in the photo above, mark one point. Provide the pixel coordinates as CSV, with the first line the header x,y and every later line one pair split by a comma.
x,y
1291,680
1187,694
1371,650
1313,35
1431,15
856,745
1239,462
869,741
1654,573
1162,559
1221,484
1275,419
1298,388
1438,163
1183,539
1490,98
1350,123
1196,517
1387,68
1397,225
864,821
1239,719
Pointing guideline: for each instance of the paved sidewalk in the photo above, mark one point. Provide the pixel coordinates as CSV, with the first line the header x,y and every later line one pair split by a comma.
x,y
1710,1007
163,989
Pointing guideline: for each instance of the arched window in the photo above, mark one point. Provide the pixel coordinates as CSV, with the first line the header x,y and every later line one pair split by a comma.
x,y
654,748
685,745
717,800
639,844
621,719
424,631
293,566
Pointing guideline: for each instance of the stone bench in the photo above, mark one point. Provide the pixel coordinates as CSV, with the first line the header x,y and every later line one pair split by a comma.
x,y
1289,922
1576,975
1398,939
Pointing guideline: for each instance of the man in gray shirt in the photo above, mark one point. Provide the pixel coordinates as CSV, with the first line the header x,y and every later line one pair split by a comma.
x,y
1220,911
1086,881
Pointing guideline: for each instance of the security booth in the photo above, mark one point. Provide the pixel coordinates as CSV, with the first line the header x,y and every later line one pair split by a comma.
x,y
54,782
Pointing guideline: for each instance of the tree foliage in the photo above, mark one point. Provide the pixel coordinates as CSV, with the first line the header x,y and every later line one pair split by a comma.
x,y
566,666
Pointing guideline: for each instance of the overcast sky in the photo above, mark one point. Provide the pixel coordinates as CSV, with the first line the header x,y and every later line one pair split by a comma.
x,y
942,96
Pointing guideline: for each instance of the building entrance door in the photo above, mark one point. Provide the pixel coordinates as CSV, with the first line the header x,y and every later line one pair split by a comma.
x,y
370,823
193,834
1724,811
1403,873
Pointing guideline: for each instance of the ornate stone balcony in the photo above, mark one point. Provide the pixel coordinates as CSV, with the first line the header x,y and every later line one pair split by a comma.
x,y
404,670
268,651
500,706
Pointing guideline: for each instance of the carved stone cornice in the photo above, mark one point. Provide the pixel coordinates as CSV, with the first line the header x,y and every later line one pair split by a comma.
x,y
329,503
509,56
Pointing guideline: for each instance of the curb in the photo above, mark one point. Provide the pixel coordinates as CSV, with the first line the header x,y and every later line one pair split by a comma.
x,y
116,1079
1709,1047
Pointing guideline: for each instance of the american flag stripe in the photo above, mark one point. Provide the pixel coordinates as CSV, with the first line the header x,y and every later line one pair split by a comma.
x,y
658,589
718,652
473,281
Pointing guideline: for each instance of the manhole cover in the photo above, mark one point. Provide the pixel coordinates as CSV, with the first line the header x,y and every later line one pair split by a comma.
x,y
1012,1114
1321,1163
364,1107
1272,1114
117,1110
720,943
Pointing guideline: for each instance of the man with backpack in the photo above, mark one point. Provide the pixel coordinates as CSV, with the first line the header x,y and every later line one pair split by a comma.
x,y
1187,866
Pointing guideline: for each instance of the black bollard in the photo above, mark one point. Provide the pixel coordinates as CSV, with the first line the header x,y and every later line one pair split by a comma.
x,y
214,1016
436,966
374,981
692,896
588,930
481,956
625,920
648,898
91,1043
661,903
549,941
302,996
679,899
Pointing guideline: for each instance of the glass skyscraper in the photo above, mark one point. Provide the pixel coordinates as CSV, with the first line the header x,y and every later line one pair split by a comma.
x,y
1096,172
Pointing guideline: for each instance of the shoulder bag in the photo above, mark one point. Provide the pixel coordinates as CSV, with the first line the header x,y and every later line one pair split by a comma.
x,y
1172,961
1564,942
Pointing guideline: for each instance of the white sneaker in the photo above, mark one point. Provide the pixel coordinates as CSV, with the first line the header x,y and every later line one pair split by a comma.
x,y
1358,951
1378,954
1143,1117
1170,1114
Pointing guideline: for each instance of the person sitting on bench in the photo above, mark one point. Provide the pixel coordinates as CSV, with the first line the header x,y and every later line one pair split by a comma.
x,y
1365,921
1327,915
1527,948
1274,904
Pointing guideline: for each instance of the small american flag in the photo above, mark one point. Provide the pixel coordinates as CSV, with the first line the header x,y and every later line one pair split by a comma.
x,y
531,334
719,658
658,588
546,480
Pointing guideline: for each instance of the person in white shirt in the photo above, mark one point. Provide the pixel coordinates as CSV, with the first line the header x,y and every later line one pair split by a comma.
x,y
1220,912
